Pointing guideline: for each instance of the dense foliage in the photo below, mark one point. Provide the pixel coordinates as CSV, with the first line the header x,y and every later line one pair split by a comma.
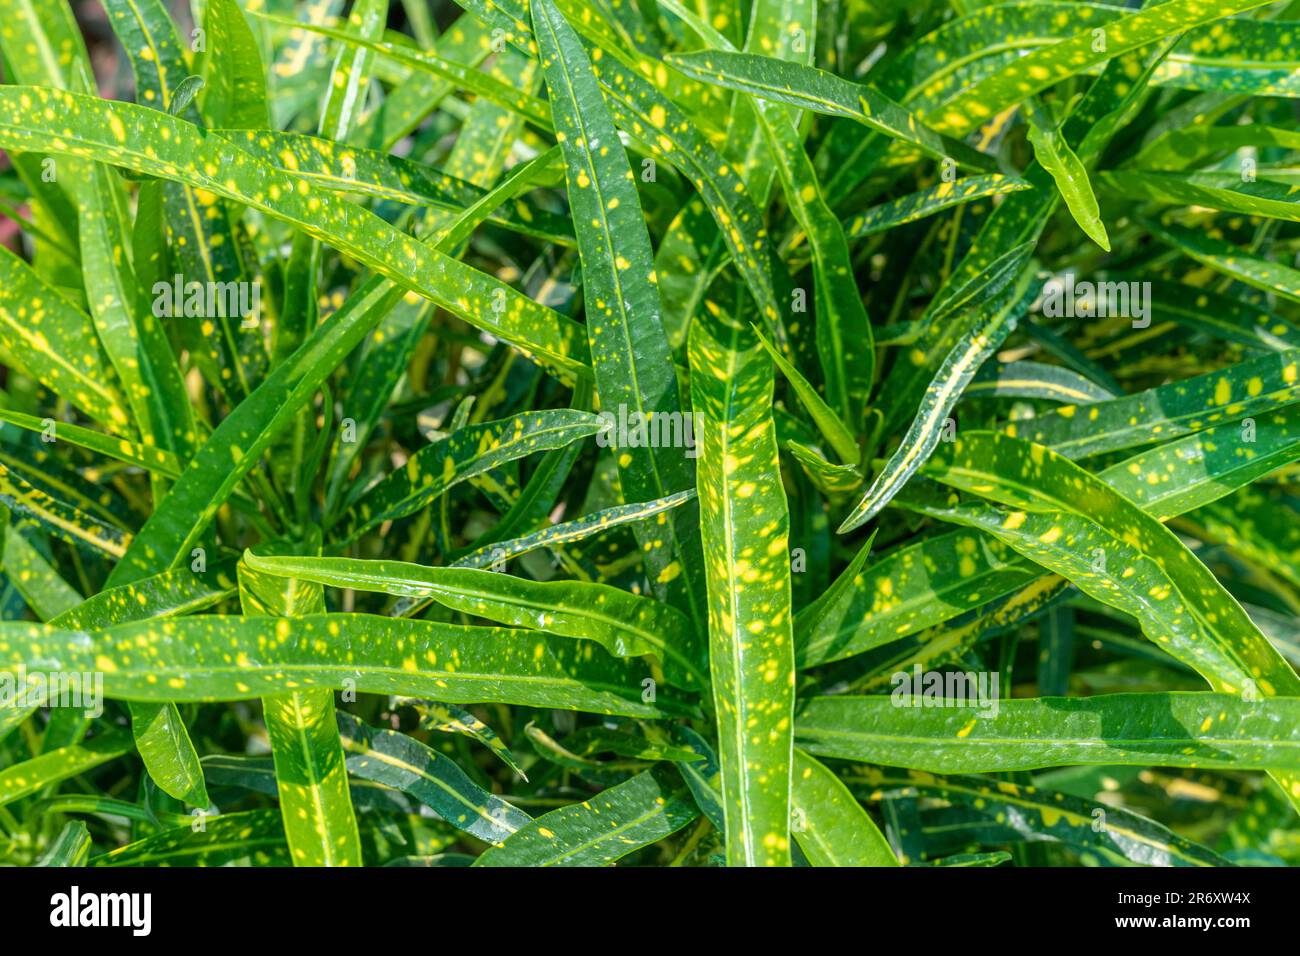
x,y
674,432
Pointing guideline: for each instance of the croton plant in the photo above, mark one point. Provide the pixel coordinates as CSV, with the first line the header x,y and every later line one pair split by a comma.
x,y
671,432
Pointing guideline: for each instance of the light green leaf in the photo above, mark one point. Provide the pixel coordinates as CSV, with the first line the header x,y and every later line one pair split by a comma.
x,y
1176,730
626,625
1055,155
213,657
630,354
466,453
745,527
31,776
830,825
602,829
405,764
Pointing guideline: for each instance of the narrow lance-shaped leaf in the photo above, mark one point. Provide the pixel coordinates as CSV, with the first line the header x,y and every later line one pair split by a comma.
x,y
1177,730
60,518
927,202
132,335
227,347
832,427
190,659
958,369
352,169
470,451
814,89
1036,814
630,354
57,343
1049,65
1228,649
829,824
1055,155
351,74
234,91
405,764
652,805
1272,277
160,734
241,437
844,339
70,848
1254,387
912,587
478,82
626,625
31,776
148,457
155,143
448,718
575,530
642,110
1036,380
1181,605
255,835
745,527
311,778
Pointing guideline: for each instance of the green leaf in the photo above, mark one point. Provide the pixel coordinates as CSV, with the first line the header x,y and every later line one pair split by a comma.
x,y
570,531
929,201
351,73
1042,68
60,518
481,84
625,625
830,825
234,92
1225,191
450,719
958,368
912,587
1055,155
1169,729
31,776
171,594
153,143
1142,566
466,453
809,88
1018,812
254,835
1036,380
132,336
310,774
831,426
1254,387
1230,260
844,338
630,354
56,342
605,828
352,169
70,848
744,524
213,657
405,764
148,457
